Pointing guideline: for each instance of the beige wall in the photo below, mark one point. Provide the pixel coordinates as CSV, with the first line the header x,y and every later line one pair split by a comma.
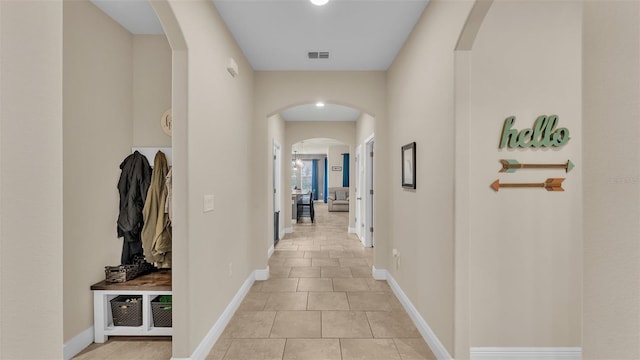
x,y
611,77
365,127
525,244
31,180
218,124
151,89
421,109
106,111
98,102
343,131
276,91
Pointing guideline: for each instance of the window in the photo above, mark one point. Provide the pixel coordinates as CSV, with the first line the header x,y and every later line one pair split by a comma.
x,y
305,175
294,179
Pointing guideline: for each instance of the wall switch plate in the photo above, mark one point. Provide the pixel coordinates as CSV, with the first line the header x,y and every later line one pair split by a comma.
x,y
208,203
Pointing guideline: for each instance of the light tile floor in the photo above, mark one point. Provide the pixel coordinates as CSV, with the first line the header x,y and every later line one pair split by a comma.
x,y
321,303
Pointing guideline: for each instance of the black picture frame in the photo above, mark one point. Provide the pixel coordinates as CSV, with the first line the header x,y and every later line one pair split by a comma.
x,y
409,166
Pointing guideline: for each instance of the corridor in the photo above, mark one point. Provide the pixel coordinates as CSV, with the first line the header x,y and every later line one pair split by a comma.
x,y
321,303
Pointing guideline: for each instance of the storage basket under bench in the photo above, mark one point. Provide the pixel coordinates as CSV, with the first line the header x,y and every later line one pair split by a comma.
x,y
127,308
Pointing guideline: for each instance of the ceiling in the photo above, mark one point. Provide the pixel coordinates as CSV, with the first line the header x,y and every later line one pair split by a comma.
x,y
276,35
359,34
330,112
137,16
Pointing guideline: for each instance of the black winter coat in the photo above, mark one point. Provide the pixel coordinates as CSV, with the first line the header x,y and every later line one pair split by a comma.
x,y
133,185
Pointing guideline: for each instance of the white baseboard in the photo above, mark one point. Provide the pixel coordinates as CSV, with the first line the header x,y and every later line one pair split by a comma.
x,y
78,343
282,233
205,346
352,230
378,274
526,353
428,335
270,251
288,230
262,274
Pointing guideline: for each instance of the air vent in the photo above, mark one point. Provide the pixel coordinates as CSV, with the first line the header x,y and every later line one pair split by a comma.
x,y
318,55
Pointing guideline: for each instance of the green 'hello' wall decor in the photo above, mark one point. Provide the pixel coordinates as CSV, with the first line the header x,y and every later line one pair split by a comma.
x,y
543,134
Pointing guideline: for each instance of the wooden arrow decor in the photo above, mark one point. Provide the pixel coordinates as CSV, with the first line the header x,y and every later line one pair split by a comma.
x,y
551,184
510,166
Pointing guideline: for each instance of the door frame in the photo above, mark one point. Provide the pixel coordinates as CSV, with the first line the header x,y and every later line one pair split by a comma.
x,y
359,224
277,185
369,240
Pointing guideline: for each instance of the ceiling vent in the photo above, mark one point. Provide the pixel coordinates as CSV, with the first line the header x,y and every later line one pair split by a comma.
x,y
318,55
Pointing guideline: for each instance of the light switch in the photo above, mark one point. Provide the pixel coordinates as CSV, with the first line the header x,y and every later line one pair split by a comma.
x,y
208,203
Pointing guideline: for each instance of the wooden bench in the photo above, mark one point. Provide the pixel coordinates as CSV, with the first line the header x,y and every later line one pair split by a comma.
x,y
148,286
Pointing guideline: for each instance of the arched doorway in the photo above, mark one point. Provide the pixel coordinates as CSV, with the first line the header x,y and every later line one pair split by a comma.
x,y
307,131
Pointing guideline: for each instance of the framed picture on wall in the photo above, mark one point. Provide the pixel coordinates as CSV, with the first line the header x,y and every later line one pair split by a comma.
x,y
409,166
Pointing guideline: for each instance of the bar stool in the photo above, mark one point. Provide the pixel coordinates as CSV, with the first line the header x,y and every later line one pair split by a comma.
x,y
306,203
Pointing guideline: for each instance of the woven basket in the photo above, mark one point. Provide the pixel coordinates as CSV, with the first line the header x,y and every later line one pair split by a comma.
x,y
120,273
161,312
127,313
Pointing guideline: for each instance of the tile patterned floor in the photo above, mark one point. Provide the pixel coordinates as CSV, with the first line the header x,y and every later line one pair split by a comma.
x,y
321,303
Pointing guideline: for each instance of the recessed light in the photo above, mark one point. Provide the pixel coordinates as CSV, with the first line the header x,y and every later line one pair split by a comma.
x,y
320,104
319,2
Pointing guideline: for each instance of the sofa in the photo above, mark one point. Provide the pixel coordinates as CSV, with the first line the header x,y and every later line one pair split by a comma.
x,y
338,199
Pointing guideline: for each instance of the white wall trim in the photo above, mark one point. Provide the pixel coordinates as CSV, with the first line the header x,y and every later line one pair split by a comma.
x,y
369,138
362,239
282,233
352,230
288,230
270,251
205,346
378,274
262,274
428,335
78,343
526,353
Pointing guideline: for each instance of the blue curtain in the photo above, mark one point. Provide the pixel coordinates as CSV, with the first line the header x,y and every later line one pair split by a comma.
x,y
326,180
314,178
345,170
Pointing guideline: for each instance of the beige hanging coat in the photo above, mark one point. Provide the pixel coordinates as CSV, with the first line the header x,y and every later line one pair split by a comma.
x,y
156,233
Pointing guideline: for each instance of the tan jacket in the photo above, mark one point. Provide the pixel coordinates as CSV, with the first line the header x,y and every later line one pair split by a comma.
x,y
156,233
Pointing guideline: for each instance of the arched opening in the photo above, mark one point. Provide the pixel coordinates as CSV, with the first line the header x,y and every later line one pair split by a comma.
x,y
323,151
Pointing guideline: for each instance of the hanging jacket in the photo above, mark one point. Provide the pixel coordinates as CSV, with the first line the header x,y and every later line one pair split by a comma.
x,y
133,186
156,233
168,208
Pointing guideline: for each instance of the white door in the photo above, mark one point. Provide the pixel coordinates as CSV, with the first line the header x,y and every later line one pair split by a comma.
x,y
358,193
369,228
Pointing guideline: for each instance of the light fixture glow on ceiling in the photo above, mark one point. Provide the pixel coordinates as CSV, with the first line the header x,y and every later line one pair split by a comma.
x,y
320,104
319,2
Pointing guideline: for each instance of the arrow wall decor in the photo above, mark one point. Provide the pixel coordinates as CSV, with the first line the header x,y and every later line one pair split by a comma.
x,y
551,184
510,166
